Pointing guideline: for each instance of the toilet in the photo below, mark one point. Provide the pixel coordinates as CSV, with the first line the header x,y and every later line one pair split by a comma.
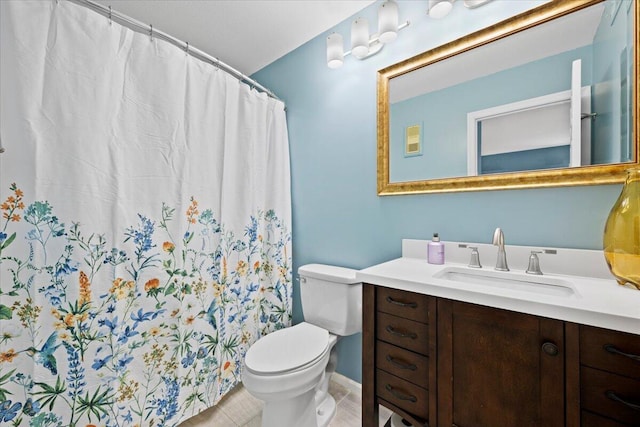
x,y
290,369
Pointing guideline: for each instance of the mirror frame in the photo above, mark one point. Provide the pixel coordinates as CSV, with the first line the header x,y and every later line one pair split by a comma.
x,y
584,175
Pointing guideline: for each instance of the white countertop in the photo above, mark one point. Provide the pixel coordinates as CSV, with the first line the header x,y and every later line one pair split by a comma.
x,y
596,301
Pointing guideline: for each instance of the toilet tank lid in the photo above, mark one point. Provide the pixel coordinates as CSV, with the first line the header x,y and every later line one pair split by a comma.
x,y
329,273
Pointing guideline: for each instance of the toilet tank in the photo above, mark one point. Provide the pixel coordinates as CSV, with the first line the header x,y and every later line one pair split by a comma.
x,y
331,298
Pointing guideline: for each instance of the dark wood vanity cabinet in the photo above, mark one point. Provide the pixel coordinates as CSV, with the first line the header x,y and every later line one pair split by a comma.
x,y
445,363
398,354
498,367
609,378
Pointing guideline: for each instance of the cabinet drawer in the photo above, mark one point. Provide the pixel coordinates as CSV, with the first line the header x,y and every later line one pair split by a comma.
x,y
593,420
402,303
403,394
603,349
595,390
403,363
403,333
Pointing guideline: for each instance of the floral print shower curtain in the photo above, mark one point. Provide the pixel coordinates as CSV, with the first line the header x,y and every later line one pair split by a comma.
x,y
145,223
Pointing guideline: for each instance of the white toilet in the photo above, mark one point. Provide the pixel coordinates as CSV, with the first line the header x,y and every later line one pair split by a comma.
x,y
290,369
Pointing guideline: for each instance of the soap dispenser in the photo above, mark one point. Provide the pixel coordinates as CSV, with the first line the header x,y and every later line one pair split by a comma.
x,y
435,250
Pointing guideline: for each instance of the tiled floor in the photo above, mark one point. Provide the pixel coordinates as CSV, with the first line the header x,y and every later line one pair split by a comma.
x,y
240,409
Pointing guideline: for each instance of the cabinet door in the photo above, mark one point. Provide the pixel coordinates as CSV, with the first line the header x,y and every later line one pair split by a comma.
x,y
498,368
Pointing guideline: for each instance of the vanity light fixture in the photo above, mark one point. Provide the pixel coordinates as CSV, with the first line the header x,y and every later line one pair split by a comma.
x,y
362,44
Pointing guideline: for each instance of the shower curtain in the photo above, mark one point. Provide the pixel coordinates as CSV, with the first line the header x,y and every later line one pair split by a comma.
x,y
145,223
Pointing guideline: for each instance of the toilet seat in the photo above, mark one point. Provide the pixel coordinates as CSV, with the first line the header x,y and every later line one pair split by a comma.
x,y
287,350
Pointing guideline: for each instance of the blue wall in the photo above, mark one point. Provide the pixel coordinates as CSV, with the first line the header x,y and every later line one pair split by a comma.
x,y
338,217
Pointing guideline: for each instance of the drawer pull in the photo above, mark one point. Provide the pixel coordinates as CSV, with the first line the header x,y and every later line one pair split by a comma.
x,y
399,395
550,348
402,304
401,365
613,396
392,331
611,349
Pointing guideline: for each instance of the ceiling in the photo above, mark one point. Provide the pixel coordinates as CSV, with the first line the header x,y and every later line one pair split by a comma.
x,y
245,34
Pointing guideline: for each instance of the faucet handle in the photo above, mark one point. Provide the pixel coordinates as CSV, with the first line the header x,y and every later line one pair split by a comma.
x,y
475,255
534,264
534,261
474,262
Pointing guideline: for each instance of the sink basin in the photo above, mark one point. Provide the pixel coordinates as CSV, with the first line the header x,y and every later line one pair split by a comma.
x,y
508,280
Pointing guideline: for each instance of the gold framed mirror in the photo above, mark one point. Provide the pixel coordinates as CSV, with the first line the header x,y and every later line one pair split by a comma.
x,y
431,140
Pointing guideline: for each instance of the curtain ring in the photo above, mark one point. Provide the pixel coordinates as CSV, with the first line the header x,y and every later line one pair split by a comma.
x,y
186,48
151,31
110,16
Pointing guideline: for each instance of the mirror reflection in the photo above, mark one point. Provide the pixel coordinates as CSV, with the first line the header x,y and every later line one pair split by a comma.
x,y
557,95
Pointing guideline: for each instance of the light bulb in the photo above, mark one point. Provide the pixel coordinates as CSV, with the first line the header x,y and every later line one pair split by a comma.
x,y
440,8
388,21
335,52
360,38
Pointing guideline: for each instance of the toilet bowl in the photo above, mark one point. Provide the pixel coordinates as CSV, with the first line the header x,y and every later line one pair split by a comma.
x,y
287,371
290,369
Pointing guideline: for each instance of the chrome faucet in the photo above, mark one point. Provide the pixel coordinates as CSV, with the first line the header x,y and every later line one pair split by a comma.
x,y
498,240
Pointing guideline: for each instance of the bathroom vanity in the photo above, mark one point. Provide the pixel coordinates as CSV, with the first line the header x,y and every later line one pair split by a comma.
x,y
448,345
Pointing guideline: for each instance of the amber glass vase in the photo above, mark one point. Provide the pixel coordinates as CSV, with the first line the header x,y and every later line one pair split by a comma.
x,y
622,233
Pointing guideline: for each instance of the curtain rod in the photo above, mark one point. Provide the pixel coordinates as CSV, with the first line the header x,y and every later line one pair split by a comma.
x,y
138,26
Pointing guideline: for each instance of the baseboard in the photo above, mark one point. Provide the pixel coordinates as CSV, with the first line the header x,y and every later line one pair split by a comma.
x,y
347,383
